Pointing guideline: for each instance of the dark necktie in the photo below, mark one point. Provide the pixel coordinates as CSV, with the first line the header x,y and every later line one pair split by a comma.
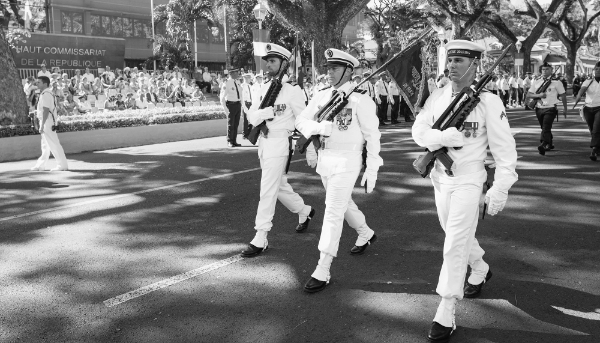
x,y
386,91
237,90
250,92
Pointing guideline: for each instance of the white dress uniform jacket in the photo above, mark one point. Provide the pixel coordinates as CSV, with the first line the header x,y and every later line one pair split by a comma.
x,y
554,90
381,89
289,103
368,86
364,126
50,142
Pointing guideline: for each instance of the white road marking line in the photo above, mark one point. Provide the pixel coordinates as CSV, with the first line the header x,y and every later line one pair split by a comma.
x,y
119,299
584,315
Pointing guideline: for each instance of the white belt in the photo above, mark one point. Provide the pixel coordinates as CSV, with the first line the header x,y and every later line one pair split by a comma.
x,y
470,169
277,134
341,146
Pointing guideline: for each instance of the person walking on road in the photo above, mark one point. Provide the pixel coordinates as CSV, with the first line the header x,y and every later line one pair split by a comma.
x,y
247,96
457,193
274,152
340,160
546,110
395,95
383,99
46,114
231,99
591,110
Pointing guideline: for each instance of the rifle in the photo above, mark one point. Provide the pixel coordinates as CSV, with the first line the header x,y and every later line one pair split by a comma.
x,y
530,102
268,101
455,116
339,100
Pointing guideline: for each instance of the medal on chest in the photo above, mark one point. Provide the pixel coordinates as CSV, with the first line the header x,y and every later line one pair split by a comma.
x,y
279,109
471,129
344,119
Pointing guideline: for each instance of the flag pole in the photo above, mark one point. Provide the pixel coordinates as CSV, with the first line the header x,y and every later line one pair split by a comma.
x,y
312,56
153,37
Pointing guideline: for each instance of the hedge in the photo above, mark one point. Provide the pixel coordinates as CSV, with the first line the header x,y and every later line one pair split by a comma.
x,y
126,118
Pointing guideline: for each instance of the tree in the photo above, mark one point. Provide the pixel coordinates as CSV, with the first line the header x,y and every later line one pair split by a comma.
x,y
462,14
392,23
320,20
13,104
179,17
571,27
170,52
493,21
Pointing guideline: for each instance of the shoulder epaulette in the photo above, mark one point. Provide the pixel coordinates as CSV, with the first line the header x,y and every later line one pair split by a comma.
x,y
485,90
361,91
325,88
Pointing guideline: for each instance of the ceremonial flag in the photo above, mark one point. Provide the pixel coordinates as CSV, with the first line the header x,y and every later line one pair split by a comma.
x,y
408,70
260,48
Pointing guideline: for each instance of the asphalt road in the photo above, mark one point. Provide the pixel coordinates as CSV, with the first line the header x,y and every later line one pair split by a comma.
x,y
137,219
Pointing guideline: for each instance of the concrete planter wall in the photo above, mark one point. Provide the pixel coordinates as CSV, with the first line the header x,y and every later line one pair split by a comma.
x,y
29,147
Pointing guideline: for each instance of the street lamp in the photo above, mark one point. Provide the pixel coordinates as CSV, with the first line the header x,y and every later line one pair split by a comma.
x,y
518,58
260,12
260,36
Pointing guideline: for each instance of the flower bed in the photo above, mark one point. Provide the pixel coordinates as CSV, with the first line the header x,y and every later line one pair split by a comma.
x,y
127,118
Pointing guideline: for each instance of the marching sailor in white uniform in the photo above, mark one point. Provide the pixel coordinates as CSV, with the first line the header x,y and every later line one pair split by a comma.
x,y
273,152
340,160
457,197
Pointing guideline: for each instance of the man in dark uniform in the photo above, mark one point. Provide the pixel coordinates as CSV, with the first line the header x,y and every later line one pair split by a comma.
x,y
231,99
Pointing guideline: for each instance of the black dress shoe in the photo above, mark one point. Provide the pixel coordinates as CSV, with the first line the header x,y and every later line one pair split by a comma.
x,y
594,154
549,147
313,285
303,226
542,149
236,144
382,124
359,250
473,291
253,251
395,122
439,333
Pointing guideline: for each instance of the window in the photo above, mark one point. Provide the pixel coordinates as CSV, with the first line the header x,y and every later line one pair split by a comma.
x,y
127,27
72,22
103,25
217,34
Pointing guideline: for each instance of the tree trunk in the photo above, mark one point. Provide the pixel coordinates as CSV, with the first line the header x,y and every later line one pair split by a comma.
x,y
13,103
571,61
527,60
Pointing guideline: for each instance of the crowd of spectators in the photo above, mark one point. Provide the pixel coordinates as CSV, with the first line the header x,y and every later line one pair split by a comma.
x,y
130,88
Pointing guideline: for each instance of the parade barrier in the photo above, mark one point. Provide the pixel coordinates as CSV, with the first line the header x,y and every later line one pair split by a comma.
x,y
110,130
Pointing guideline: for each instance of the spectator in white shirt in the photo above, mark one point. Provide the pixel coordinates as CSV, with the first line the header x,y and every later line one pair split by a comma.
x,y
44,72
444,80
88,75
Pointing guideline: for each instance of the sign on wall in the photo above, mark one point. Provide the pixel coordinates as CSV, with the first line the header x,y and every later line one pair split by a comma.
x,y
69,52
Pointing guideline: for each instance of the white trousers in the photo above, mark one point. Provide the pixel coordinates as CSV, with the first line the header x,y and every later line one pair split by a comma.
x,y
339,206
51,144
274,186
458,211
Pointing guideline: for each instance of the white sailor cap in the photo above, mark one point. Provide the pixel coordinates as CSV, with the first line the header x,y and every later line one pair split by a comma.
x,y
335,56
274,50
248,74
465,48
356,76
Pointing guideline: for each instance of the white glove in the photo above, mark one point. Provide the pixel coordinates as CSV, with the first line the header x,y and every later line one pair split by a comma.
x,y
325,128
311,157
496,199
391,100
370,177
452,138
581,114
266,113
378,100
